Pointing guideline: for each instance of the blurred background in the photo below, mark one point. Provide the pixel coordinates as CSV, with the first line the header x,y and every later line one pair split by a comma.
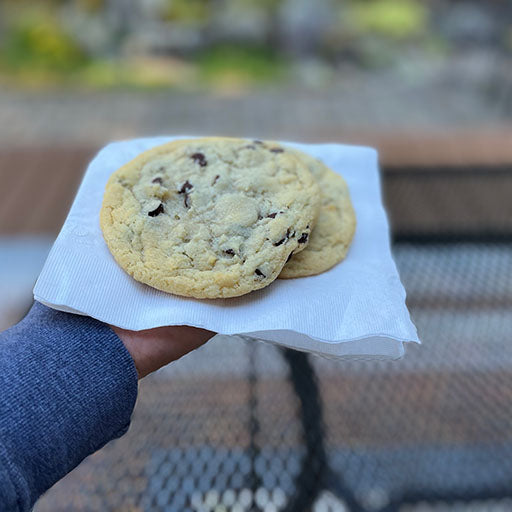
x,y
429,84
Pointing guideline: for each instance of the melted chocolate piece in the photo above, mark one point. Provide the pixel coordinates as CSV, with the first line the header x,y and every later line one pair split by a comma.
x,y
184,190
157,211
277,150
200,159
157,180
215,179
230,252
303,238
259,273
185,187
258,141
288,235
272,215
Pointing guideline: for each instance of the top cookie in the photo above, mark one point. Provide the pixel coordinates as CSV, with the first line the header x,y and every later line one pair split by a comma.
x,y
209,218
335,226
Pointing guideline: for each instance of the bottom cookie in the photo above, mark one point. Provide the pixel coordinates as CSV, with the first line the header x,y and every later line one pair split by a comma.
x,y
331,238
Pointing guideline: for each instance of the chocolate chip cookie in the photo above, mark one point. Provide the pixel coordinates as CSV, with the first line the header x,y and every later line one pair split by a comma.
x,y
209,218
330,240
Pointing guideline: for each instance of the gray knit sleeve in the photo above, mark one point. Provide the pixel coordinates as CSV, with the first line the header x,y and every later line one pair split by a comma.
x,y
67,387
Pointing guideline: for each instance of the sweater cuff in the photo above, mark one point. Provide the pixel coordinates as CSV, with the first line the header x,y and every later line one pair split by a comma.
x,y
69,387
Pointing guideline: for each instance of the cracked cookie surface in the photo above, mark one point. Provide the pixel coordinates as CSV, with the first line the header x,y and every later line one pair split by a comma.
x,y
209,218
331,238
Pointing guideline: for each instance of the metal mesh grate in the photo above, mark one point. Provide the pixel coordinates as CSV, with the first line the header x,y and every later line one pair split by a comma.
x,y
437,423
233,425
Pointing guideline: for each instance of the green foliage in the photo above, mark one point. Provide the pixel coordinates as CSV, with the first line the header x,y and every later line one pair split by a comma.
x,y
92,5
395,19
135,74
187,10
436,46
103,74
267,5
242,63
36,40
35,48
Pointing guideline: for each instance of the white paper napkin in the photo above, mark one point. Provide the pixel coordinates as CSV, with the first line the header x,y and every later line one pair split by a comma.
x,y
356,309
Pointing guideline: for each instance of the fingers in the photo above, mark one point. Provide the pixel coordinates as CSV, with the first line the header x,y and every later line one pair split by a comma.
x,y
153,348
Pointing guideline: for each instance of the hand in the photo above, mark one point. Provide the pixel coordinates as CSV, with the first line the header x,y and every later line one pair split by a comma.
x,y
153,348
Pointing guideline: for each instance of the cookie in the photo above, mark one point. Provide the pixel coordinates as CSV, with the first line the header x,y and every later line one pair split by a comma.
x,y
209,218
335,226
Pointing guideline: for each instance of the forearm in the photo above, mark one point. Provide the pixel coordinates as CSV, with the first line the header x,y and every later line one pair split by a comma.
x,y
68,386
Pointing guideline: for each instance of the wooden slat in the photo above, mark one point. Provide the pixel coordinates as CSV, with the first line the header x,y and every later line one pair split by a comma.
x,y
421,148
37,187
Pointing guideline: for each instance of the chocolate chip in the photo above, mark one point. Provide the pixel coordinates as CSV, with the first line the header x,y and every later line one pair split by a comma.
x,y
259,273
272,215
185,187
277,150
230,252
184,190
288,235
303,238
258,141
157,211
200,159
157,180
215,179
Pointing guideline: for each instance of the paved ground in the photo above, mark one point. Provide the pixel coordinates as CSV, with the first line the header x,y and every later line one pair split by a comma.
x,y
433,97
